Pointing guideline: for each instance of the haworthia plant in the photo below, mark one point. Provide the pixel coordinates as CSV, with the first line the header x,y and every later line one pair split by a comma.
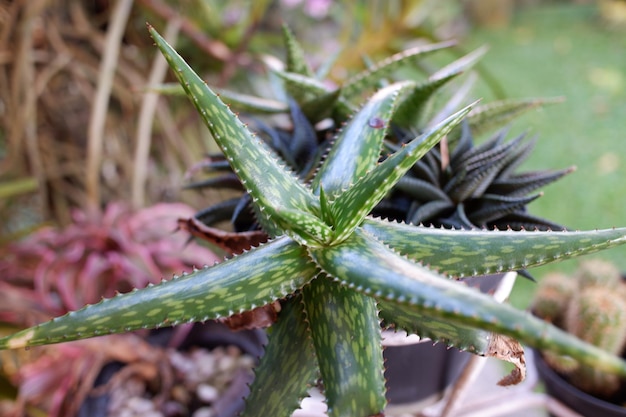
x,y
337,272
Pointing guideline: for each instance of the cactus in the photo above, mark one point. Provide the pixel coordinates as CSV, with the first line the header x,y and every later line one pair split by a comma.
x,y
591,306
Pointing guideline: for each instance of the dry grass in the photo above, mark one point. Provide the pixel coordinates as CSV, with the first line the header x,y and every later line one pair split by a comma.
x,y
72,113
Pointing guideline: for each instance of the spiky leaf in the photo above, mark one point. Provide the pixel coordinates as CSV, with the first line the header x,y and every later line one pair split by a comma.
x,y
370,78
353,205
478,252
409,112
368,266
357,147
438,329
256,278
346,335
239,101
289,357
281,190
499,113
296,61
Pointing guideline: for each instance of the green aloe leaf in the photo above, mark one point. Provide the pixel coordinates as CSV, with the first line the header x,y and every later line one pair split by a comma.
x,y
370,78
460,65
306,229
350,207
322,106
497,114
261,276
370,267
436,328
296,61
346,334
356,149
269,184
287,369
306,90
410,111
478,252
237,101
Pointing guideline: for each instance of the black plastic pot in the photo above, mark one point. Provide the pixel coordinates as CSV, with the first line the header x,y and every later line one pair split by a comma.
x,y
579,401
419,374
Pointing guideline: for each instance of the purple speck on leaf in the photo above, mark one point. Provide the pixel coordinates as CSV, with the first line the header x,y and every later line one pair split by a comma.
x,y
376,123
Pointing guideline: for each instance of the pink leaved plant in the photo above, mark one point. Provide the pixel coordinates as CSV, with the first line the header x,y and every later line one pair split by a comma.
x,y
54,271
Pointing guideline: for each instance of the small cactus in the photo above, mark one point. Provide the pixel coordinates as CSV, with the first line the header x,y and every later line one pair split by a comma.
x,y
592,306
552,297
598,272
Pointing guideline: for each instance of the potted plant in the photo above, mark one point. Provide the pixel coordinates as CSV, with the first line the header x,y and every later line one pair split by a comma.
x,y
591,305
330,275
460,185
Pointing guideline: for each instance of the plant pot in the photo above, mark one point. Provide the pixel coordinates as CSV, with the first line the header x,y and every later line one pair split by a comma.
x,y
211,340
579,401
418,374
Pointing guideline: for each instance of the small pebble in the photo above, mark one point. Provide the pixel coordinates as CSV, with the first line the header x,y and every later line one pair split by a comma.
x,y
181,394
174,409
226,363
200,376
140,405
207,393
204,412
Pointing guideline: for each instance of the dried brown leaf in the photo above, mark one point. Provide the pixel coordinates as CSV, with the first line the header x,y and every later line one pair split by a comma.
x,y
260,317
509,350
233,242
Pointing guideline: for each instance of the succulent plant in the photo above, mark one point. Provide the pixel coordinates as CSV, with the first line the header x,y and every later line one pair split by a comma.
x,y
95,256
332,274
56,270
592,306
469,186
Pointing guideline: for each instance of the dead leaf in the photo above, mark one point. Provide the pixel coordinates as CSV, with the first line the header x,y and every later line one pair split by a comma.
x,y
509,350
258,318
233,242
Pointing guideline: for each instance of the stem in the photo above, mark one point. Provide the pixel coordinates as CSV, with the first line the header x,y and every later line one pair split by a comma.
x,y
146,119
99,109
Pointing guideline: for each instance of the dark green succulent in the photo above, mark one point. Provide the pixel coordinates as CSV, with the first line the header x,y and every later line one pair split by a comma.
x,y
471,186
338,273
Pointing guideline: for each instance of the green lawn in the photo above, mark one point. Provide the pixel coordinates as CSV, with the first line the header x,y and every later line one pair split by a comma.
x,y
566,51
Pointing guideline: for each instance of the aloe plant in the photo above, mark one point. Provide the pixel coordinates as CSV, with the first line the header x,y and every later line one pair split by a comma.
x,y
457,185
336,272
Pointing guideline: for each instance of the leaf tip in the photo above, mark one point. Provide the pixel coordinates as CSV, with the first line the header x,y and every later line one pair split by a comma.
x,y
20,340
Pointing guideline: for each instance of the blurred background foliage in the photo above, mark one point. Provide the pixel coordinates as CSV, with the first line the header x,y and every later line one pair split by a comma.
x,y
78,131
